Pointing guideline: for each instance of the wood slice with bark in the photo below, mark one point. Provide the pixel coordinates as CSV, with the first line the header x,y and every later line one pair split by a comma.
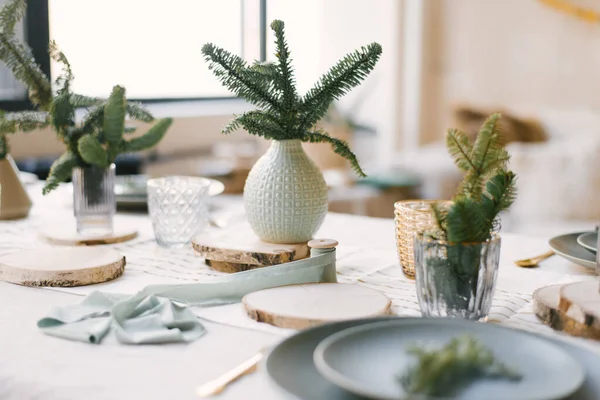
x,y
580,302
307,305
66,266
236,249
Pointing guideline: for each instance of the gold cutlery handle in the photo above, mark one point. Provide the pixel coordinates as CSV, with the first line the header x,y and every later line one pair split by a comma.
x,y
217,385
533,261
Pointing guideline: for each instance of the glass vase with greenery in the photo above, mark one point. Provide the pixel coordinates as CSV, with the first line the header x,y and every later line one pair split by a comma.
x,y
93,144
457,263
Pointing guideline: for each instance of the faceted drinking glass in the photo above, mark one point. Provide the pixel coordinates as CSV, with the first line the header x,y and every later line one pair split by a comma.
x,y
94,203
456,279
177,207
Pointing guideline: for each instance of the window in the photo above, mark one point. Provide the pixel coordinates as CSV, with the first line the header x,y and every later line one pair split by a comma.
x,y
150,47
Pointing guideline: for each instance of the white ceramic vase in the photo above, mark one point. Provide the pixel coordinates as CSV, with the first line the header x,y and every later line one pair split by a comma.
x,y
285,194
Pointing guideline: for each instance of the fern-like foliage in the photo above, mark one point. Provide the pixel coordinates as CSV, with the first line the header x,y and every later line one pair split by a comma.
x,y
98,139
13,122
18,57
106,140
486,190
282,113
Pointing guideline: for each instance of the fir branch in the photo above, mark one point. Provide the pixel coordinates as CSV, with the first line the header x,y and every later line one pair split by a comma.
x,y
254,117
487,142
20,62
259,123
500,194
234,74
80,101
339,147
62,113
114,116
460,149
150,138
466,223
138,112
4,148
287,83
64,80
10,14
60,171
340,79
22,121
92,152
441,218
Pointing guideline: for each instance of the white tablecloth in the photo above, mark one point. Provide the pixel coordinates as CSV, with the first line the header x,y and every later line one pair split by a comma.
x,y
35,366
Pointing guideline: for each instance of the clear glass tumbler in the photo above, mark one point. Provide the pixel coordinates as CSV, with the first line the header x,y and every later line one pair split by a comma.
x,y
94,203
456,279
177,207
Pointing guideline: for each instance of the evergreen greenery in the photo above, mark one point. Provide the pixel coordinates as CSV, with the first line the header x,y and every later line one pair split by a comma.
x,y
282,113
98,139
487,188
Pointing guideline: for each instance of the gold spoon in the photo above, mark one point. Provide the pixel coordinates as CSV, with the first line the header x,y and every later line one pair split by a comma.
x,y
534,261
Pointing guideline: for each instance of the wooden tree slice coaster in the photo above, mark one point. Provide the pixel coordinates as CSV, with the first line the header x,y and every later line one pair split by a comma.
x,y
67,266
68,236
581,302
307,305
235,250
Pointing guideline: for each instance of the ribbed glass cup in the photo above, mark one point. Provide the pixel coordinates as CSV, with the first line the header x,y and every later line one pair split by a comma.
x,y
411,217
177,207
94,203
456,279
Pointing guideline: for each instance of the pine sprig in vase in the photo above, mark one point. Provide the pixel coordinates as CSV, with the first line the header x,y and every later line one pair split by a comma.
x,y
285,195
282,113
487,189
457,263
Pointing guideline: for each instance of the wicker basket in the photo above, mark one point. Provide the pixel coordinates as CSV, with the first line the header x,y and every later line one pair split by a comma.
x,y
411,216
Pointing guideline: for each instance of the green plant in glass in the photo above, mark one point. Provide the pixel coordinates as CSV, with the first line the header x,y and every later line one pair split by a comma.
x,y
282,113
472,217
98,139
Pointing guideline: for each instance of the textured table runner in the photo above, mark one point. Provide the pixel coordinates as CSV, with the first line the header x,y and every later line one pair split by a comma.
x,y
366,256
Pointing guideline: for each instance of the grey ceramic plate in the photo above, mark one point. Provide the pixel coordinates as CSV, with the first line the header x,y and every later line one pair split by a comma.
x,y
588,240
566,246
290,365
368,360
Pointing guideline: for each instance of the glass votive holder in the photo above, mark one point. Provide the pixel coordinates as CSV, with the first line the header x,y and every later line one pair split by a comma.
x,y
456,279
177,207
411,217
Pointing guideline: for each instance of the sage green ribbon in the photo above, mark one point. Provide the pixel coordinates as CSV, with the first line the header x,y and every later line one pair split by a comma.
x,y
159,313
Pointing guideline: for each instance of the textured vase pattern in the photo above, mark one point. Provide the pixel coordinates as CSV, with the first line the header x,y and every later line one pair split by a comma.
x,y
285,195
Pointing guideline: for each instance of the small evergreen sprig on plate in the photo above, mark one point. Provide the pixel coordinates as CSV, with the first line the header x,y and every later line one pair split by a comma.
x,y
487,189
444,371
282,113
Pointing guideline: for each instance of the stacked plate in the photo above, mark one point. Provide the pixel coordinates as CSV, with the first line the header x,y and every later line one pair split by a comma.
x,y
579,248
365,358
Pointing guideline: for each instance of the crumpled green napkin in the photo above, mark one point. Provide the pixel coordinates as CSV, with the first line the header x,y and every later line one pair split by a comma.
x,y
159,313
136,319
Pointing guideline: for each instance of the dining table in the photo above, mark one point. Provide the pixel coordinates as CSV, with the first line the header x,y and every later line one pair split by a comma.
x,y
37,366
